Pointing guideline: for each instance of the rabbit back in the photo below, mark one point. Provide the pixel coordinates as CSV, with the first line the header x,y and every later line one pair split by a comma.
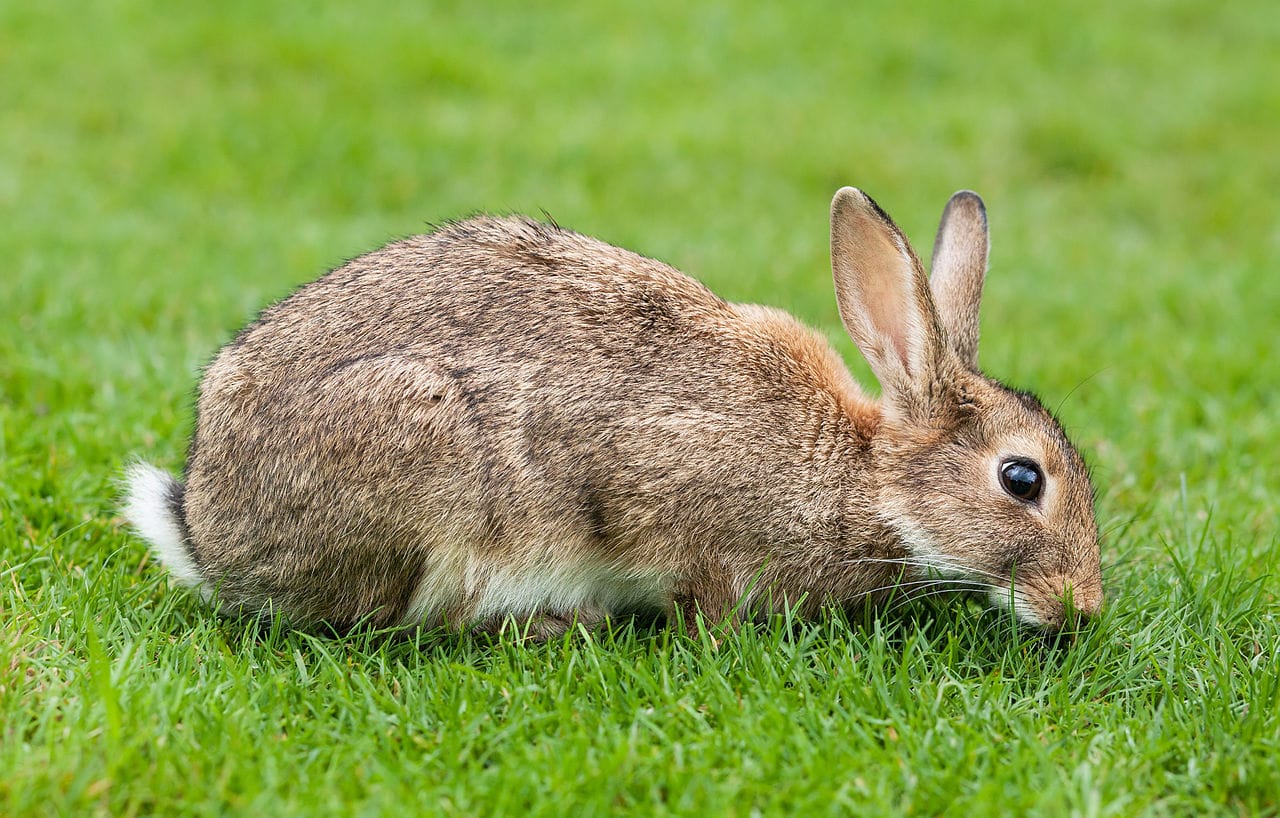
x,y
503,417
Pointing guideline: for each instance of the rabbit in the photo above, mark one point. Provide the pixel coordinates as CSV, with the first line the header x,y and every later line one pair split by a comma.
x,y
504,420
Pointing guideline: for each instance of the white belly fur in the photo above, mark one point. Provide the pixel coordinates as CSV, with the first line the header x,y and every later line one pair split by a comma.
x,y
459,582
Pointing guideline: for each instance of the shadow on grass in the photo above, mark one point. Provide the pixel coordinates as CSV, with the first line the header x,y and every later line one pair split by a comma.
x,y
958,633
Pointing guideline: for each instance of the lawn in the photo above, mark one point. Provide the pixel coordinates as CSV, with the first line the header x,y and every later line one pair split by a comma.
x,y
165,171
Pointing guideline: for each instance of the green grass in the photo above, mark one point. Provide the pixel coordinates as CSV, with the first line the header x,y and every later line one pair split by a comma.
x,y
164,172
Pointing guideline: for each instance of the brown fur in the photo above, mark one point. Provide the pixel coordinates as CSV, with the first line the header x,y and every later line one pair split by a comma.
x,y
478,414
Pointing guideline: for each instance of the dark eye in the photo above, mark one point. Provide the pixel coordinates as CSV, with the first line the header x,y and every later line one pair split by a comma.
x,y
1022,479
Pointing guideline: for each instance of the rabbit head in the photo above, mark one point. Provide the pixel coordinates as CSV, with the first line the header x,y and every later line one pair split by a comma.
x,y
977,479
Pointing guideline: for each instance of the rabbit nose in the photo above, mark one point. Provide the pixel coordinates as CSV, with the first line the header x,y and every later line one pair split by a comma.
x,y
1059,603
1083,600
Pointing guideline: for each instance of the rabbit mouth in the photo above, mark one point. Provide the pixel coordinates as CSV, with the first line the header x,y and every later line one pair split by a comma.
x,y
1047,611
1010,598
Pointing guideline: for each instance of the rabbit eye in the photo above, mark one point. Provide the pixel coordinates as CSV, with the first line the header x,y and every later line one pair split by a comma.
x,y
1022,479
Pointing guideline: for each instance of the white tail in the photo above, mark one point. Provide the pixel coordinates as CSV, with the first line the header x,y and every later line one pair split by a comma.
x,y
149,508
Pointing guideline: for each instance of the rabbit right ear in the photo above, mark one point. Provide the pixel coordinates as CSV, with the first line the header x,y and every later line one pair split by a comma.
x,y
885,304
957,272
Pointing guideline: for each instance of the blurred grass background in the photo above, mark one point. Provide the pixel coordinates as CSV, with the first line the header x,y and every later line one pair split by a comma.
x,y
166,171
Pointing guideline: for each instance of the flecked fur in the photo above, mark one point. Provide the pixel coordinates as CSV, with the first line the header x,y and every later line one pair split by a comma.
x,y
504,418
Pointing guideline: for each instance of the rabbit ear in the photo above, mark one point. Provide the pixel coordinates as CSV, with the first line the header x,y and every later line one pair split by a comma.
x,y
885,303
958,269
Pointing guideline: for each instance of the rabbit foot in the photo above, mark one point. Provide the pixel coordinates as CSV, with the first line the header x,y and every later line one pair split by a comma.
x,y
542,626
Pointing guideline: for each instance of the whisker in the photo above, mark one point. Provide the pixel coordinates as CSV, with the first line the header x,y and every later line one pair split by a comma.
x,y
958,584
1077,386
904,561
993,625
936,562
935,589
972,569
1119,524
901,603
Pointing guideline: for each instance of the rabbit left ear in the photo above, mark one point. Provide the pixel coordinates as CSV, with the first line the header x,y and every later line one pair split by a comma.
x,y
958,270
885,304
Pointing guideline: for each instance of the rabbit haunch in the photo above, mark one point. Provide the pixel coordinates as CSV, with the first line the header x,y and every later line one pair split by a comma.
x,y
507,419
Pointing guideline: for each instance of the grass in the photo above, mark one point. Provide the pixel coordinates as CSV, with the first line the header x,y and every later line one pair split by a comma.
x,y
164,173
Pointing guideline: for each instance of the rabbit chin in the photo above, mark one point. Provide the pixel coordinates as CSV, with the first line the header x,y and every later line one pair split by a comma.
x,y
1006,599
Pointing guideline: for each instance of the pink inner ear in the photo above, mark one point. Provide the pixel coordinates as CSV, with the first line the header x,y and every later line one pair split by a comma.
x,y
876,280
891,312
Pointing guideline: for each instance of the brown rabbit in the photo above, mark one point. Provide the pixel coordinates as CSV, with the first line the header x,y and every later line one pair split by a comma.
x,y
506,419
